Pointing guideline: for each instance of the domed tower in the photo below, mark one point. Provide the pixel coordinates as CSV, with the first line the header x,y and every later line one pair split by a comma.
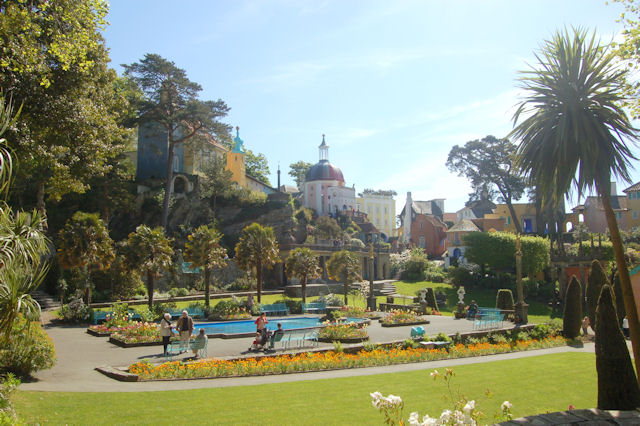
x,y
236,161
324,186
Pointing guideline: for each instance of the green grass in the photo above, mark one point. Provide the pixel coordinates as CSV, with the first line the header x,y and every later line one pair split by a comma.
x,y
538,312
531,384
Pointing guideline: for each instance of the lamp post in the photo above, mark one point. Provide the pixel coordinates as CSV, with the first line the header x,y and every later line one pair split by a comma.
x,y
521,307
371,302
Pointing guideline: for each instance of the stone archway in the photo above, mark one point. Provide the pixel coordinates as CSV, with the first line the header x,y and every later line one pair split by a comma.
x,y
180,185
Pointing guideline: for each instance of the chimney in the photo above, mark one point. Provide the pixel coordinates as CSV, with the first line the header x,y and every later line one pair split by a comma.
x,y
278,178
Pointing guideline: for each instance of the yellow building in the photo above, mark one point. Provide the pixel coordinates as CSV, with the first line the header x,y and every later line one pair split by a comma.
x,y
380,207
526,213
633,206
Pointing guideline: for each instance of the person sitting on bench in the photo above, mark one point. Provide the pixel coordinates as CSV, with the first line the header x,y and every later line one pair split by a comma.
x,y
472,310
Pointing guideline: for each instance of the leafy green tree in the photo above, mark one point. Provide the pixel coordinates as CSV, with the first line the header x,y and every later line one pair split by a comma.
x,y
54,62
85,243
488,163
150,250
302,264
327,228
617,384
23,244
344,266
171,101
574,132
256,165
217,181
203,250
299,171
497,250
629,51
256,249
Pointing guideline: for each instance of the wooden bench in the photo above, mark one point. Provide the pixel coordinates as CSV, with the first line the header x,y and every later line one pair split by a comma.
x,y
275,308
318,307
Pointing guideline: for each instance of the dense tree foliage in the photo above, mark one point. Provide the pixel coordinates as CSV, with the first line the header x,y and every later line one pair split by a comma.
x,y
572,315
573,131
256,165
327,228
497,250
217,181
55,64
489,163
256,249
298,171
171,101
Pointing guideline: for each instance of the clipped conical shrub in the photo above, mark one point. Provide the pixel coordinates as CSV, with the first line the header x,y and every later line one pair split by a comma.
x,y
504,299
431,298
572,317
619,300
597,279
617,383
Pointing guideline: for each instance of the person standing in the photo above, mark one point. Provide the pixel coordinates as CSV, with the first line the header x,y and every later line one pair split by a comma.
x,y
165,330
585,326
185,326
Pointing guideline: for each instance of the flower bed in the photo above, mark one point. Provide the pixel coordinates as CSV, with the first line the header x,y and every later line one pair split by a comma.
x,y
101,330
137,333
343,332
400,318
357,312
328,360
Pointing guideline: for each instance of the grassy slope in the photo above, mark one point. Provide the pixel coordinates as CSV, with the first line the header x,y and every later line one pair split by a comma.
x,y
531,384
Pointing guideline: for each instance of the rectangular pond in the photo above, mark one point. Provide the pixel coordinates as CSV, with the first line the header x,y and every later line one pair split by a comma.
x,y
247,328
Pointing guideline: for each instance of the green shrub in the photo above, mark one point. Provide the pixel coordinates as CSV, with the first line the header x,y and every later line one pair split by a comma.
x,y
30,349
597,279
409,343
434,274
441,337
415,265
225,308
337,347
295,306
619,299
7,387
496,338
369,346
504,299
331,300
75,310
159,309
466,275
178,292
572,317
617,383
242,284
497,250
431,298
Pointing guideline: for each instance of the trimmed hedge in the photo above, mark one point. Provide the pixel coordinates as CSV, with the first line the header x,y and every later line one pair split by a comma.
x,y
497,250
619,299
504,299
597,279
431,298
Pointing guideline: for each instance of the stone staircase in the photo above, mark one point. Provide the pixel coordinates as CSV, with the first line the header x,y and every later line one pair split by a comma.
x,y
46,301
387,289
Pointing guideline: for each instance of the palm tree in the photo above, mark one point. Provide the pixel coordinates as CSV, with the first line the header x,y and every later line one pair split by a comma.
x,y
150,250
572,122
85,243
204,251
302,264
22,246
257,248
344,266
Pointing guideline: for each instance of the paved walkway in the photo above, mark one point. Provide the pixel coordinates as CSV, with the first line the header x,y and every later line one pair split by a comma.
x,y
79,353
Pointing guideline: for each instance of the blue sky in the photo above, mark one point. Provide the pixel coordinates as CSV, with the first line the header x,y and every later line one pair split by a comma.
x,y
393,84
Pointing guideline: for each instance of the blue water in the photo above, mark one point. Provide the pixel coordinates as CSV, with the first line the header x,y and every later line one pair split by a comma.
x,y
249,326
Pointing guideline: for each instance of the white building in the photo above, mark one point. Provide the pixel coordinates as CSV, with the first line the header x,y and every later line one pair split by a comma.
x,y
324,188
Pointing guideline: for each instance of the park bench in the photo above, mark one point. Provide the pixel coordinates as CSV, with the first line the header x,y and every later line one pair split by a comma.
x,y
275,308
488,318
193,312
318,307
435,345
176,347
297,338
101,316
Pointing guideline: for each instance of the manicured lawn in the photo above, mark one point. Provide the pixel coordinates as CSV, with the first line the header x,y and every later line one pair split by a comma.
x,y
534,385
538,312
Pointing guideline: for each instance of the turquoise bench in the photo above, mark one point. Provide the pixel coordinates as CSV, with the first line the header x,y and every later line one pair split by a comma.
x,y
318,307
177,347
300,338
193,312
275,308
100,316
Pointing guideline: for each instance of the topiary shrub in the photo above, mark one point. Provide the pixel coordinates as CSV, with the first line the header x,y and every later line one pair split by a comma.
x,y
617,383
572,316
504,299
619,299
597,279
29,349
431,298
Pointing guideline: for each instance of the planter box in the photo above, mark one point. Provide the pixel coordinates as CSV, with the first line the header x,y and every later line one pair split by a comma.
x,y
404,324
133,345
98,333
345,340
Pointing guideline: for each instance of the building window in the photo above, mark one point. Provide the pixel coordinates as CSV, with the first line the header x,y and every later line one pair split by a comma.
x,y
176,163
635,214
385,210
508,220
422,241
619,215
421,226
